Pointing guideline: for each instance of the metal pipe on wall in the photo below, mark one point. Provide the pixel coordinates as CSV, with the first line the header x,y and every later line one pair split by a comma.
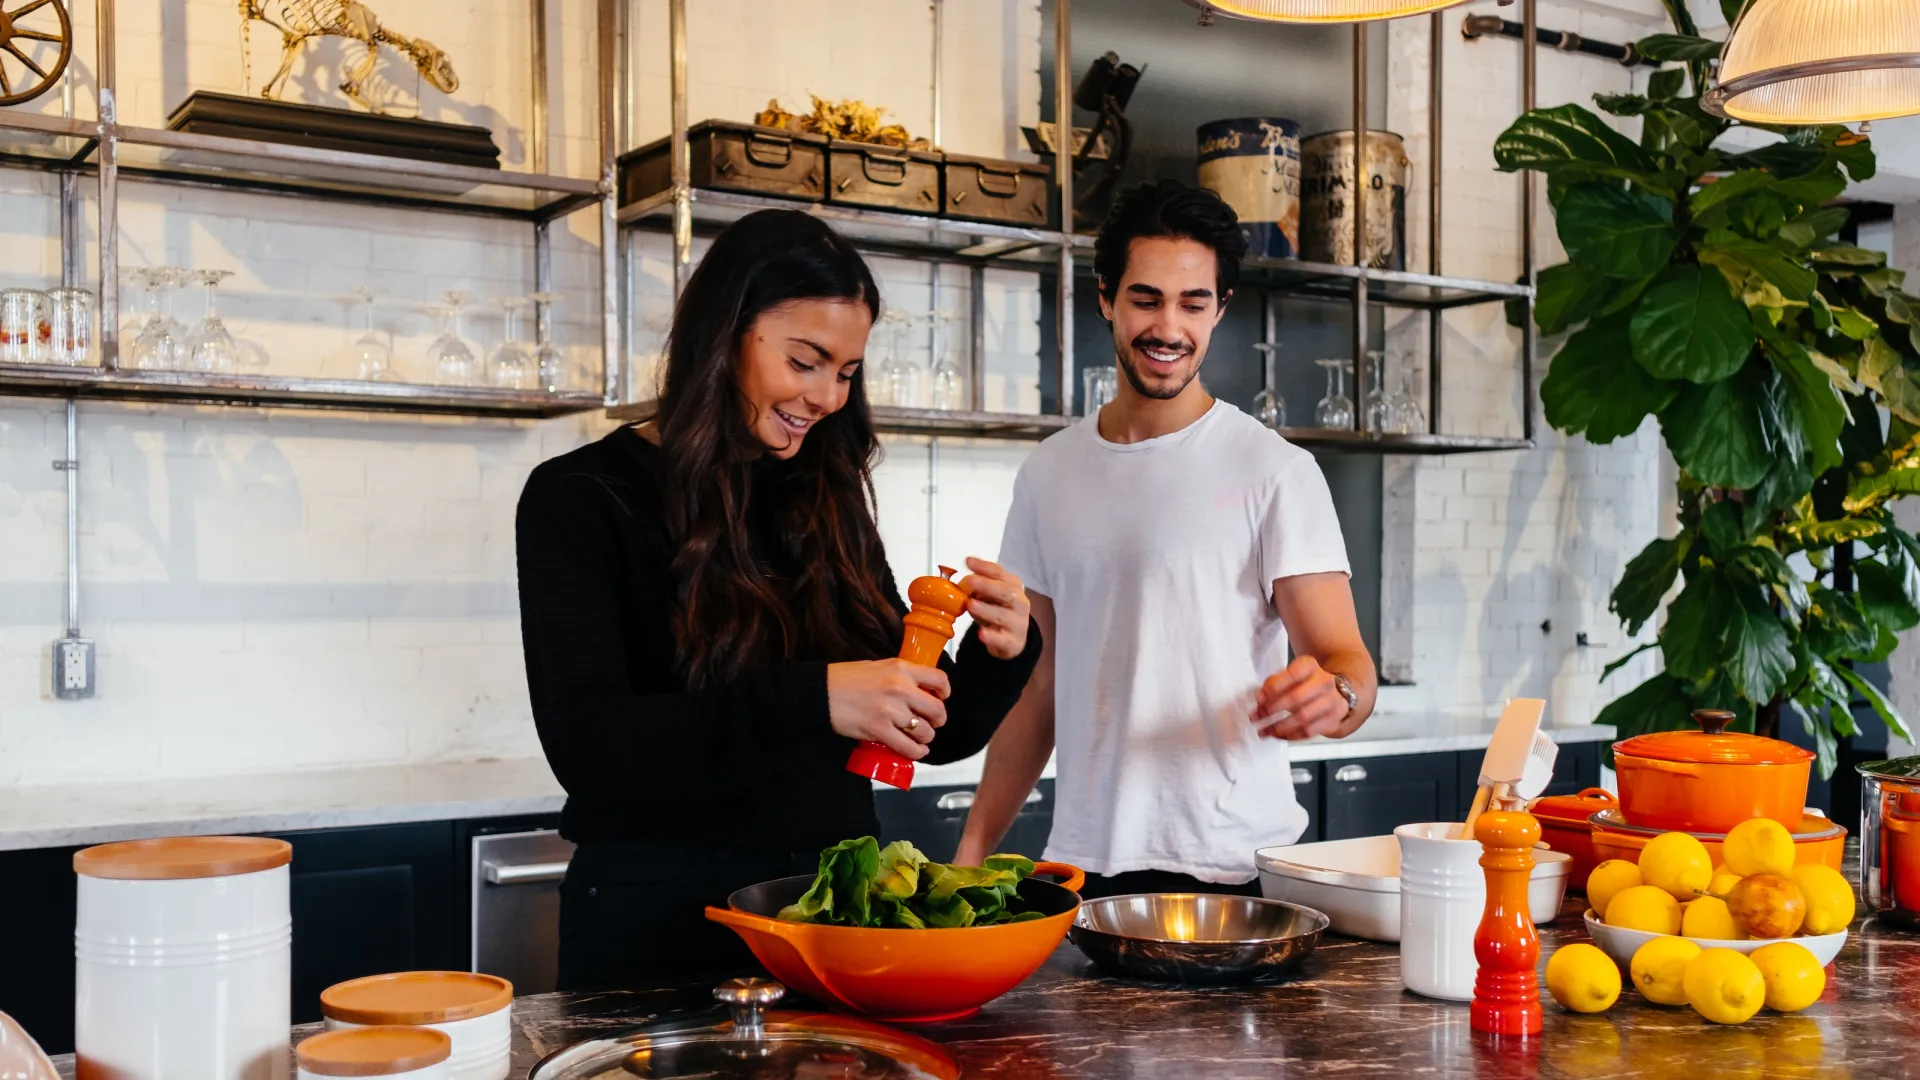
x,y
1359,224
72,244
1436,318
933,307
613,327
1529,73
682,164
71,465
108,160
1063,179
537,121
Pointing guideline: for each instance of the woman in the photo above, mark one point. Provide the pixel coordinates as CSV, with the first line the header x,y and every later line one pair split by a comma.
x,y
709,619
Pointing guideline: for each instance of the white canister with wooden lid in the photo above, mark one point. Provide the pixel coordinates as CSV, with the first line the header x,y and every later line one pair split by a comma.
x,y
182,959
416,1053
475,1010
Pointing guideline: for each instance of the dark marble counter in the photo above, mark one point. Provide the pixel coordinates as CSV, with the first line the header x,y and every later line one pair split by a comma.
x,y
1344,1013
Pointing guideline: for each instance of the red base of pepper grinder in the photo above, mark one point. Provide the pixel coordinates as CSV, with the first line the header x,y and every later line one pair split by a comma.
x,y
936,602
1506,992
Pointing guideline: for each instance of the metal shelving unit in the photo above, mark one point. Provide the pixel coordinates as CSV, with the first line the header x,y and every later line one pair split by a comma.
x,y
109,152
684,212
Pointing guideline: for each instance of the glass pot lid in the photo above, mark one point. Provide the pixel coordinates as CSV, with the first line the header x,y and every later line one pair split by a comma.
x,y
1712,744
750,1041
1906,768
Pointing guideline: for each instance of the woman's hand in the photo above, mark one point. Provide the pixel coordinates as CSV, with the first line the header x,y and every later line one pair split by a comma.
x,y
890,702
999,604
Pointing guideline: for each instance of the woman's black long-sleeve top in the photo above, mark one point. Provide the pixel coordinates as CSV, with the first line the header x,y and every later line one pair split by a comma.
x,y
752,764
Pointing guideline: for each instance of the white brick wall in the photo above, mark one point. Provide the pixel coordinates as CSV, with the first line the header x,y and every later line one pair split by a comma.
x,y
276,589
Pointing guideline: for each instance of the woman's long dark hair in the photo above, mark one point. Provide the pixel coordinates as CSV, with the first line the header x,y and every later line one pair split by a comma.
x,y
729,612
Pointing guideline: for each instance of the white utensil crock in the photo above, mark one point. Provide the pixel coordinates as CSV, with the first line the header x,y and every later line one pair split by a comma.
x,y
1443,893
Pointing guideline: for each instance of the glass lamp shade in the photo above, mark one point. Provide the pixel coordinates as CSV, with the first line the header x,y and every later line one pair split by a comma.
x,y
1820,62
1319,11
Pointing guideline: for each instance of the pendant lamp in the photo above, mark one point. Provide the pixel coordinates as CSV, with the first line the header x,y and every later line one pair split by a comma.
x,y
1820,62
1318,11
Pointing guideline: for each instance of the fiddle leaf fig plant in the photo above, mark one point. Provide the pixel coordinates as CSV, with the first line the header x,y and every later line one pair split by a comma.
x,y
1705,287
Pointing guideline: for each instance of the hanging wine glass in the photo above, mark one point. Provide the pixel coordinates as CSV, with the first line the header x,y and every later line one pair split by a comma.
x,y
1412,416
213,347
889,382
174,281
1382,417
949,380
449,357
513,364
135,307
549,363
372,355
154,346
1268,406
1336,409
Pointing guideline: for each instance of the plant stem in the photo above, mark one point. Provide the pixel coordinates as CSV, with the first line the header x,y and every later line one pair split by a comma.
x,y
1766,719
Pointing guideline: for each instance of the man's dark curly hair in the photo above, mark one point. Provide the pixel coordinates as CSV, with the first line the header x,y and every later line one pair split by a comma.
x,y
1169,208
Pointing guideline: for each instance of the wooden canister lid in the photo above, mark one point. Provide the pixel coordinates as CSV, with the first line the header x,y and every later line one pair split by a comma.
x,y
373,1051
176,857
415,997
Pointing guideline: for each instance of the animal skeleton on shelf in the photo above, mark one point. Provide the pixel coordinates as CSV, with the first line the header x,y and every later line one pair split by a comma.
x,y
303,20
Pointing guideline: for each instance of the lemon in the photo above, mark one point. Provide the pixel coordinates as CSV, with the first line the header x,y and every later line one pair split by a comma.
x,y
1829,899
1676,862
1583,978
1793,977
1645,907
1657,969
1723,882
1709,918
1759,846
1724,986
1609,880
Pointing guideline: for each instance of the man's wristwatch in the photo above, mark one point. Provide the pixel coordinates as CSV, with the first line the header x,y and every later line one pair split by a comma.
x,y
1341,684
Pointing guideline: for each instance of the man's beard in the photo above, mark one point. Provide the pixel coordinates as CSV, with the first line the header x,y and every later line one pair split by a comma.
x,y
1140,386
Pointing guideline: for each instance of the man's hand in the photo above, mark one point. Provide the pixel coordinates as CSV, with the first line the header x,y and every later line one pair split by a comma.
x,y
1301,702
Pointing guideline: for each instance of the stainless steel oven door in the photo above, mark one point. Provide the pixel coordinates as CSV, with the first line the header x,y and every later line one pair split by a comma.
x,y
516,906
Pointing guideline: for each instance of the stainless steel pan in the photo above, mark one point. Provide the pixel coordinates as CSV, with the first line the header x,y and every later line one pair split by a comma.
x,y
1195,937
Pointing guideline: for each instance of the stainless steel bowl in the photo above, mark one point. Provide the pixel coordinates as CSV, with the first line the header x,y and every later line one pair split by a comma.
x,y
1195,937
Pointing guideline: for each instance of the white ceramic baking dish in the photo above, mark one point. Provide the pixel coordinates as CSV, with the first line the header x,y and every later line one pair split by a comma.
x,y
1357,883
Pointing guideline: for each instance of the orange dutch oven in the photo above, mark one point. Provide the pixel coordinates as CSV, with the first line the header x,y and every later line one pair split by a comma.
x,y
1710,780
1564,826
903,976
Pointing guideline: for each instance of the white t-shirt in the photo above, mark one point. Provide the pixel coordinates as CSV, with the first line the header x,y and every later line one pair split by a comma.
x,y
1160,558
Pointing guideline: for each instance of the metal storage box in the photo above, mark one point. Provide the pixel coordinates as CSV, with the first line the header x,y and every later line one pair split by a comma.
x,y
1011,192
732,157
888,177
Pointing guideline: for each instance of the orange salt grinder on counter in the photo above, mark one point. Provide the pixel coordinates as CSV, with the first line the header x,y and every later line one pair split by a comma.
x,y
936,601
1506,992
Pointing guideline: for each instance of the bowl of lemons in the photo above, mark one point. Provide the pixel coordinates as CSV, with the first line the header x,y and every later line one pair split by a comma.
x,y
1757,930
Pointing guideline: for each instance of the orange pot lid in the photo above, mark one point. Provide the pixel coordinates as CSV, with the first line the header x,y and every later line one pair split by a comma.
x,y
1572,808
373,1051
178,857
415,997
1712,745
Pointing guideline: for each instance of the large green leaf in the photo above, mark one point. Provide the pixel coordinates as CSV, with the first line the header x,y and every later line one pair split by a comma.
x,y
1659,704
1722,433
1727,187
1792,279
1816,224
1759,651
1847,255
1785,160
1646,580
1616,232
1889,591
1815,408
1698,622
1568,295
1690,326
1593,386
1771,572
1886,370
1877,701
1836,626
1677,47
1569,136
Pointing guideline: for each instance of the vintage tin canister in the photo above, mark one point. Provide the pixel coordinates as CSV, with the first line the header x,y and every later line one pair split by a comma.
x,y
1254,164
1326,197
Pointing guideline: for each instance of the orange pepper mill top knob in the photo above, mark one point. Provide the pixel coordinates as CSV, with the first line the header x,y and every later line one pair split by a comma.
x,y
936,602
1506,991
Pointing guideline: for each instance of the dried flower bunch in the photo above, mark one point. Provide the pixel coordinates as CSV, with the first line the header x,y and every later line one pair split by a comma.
x,y
852,120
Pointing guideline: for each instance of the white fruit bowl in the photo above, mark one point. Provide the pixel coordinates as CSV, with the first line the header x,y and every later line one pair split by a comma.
x,y
1621,943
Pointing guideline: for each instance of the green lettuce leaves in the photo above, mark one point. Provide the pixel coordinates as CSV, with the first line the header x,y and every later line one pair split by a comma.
x,y
862,884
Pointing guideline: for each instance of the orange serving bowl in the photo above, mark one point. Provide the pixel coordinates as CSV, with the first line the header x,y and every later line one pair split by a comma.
x,y
903,976
1815,839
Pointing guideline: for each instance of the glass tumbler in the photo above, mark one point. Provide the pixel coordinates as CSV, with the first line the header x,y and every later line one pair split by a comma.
x,y
23,326
1098,385
70,327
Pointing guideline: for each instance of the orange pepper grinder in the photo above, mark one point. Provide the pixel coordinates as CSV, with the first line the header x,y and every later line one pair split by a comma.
x,y
1506,992
936,602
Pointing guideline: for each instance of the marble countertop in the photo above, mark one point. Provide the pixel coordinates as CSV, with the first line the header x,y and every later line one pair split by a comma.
x,y
1344,1013
65,815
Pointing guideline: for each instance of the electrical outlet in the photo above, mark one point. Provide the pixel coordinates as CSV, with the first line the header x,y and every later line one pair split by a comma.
x,y
73,668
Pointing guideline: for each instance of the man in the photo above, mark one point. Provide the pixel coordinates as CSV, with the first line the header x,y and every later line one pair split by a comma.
x,y
1172,548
